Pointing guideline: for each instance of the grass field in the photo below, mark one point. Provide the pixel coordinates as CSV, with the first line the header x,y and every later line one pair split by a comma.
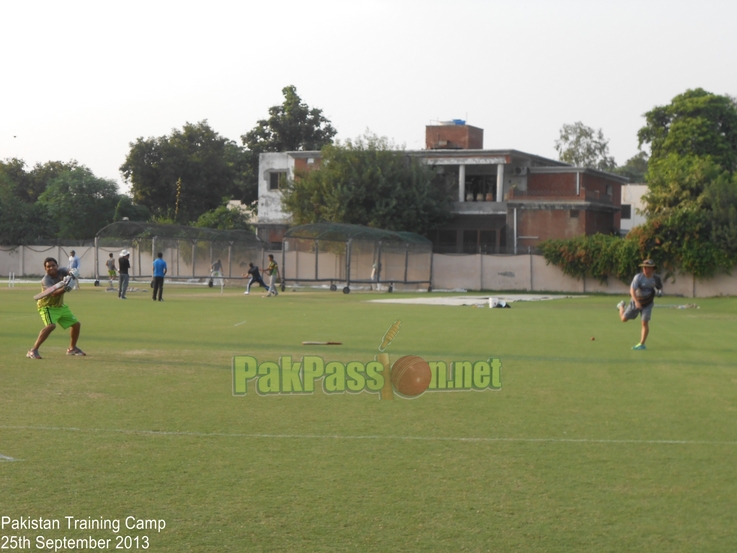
x,y
588,446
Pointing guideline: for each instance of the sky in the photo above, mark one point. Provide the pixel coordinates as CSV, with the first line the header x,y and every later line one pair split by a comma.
x,y
82,80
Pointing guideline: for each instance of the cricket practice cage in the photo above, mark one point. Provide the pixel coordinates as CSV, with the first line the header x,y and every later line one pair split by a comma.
x,y
358,256
191,253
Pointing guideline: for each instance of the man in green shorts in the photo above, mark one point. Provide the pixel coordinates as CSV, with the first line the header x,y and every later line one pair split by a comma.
x,y
110,264
272,270
53,311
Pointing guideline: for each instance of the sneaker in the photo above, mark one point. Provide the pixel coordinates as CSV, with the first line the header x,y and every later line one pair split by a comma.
x,y
246,293
75,351
33,354
620,305
161,299
639,347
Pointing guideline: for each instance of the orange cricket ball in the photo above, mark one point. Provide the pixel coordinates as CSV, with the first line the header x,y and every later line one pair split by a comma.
x,y
411,375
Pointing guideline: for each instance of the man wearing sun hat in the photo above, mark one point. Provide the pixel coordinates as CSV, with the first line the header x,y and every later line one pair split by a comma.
x,y
645,286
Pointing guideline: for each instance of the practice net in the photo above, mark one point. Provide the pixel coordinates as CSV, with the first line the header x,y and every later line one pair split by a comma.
x,y
372,258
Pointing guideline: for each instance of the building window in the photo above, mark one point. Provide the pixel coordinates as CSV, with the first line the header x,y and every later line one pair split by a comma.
x,y
626,211
573,213
276,180
609,190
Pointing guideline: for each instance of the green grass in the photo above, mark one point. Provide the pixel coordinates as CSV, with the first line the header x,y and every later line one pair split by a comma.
x,y
588,446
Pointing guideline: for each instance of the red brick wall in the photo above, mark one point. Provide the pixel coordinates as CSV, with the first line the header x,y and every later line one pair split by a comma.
x,y
598,184
563,182
547,224
300,164
456,136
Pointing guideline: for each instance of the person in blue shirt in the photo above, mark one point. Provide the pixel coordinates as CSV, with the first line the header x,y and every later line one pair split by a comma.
x,y
159,272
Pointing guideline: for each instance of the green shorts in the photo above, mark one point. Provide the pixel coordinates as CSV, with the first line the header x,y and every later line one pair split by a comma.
x,y
58,315
111,273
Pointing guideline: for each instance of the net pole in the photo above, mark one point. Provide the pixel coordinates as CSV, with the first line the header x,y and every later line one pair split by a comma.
x,y
97,261
406,261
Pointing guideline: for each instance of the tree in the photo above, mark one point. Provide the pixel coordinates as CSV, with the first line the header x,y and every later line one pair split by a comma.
x,y
21,222
292,126
223,218
134,212
26,185
634,169
185,174
691,201
79,203
695,123
22,219
368,182
693,142
721,199
582,146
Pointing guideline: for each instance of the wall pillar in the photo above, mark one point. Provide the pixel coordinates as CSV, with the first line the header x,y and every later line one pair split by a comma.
x,y
461,183
500,182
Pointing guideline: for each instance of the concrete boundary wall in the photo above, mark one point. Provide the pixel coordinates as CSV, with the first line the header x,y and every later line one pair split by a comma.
x,y
527,273
530,273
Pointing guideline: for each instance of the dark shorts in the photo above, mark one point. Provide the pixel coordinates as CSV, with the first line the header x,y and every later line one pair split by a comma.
x,y
631,311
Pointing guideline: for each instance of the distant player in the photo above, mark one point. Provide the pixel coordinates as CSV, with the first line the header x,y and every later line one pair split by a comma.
x,y
53,311
123,265
216,274
272,271
159,268
645,286
253,276
74,264
110,264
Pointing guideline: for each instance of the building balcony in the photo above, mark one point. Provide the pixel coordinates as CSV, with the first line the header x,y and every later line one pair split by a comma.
x,y
479,208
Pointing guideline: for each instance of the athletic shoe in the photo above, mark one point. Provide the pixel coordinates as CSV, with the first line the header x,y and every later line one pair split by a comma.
x,y
33,354
245,293
620,305
75,351
161,299
639,347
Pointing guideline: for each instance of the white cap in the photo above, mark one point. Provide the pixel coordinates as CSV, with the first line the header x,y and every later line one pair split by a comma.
x,y
123,253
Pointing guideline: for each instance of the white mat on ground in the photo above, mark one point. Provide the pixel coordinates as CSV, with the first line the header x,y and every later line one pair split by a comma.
x,y
473,300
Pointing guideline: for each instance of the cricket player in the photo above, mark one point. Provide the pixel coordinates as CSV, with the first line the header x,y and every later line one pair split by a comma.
x,y
645,286
53,311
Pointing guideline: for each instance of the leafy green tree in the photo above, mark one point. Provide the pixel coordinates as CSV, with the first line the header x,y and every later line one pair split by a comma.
x,y
693,143
79,203
134,212
691,201
695,123
634,169
368,182
28,185
22,222
721,200
582,146
184,174
223,218
291,126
